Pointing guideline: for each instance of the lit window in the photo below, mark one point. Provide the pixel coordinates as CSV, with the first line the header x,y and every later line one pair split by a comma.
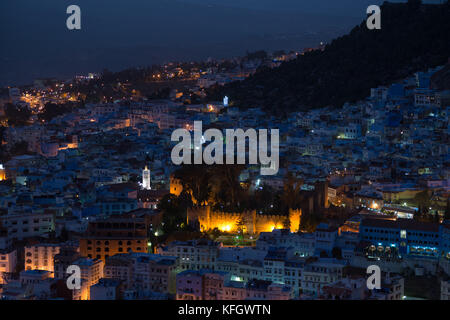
x,y
403,234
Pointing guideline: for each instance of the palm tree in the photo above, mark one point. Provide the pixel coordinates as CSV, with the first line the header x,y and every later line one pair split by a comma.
x,y
228,178
291,197
195,180
447,210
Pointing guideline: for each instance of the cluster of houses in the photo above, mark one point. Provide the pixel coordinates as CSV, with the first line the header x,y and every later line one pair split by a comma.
x,y
98,173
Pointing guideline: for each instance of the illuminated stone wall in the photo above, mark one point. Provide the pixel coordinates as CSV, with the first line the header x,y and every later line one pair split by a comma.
x,y
253,223
175,186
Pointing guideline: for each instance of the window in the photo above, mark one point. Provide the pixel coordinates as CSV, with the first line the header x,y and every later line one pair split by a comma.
x,y
403,234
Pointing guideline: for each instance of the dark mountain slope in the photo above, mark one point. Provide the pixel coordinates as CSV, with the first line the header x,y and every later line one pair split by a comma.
x,y
413,37
441,79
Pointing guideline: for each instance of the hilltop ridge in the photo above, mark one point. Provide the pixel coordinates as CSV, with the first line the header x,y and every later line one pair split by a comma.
x,y
413,37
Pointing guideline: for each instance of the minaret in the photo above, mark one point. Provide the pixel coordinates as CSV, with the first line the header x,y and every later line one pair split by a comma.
x,y
146,179
2,173
225,101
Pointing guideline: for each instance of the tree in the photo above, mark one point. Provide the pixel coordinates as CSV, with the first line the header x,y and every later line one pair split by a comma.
x,y
436,217
265,199
19,148
2,132
174,213
309,222
52,110
215,233
228,178
422,199
17,115
447,210
240,224
291,197
196,181
419,216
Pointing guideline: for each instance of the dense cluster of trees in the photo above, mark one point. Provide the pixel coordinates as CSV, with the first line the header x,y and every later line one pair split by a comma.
x,y
447,210
218,184
174,209
19,148
17,115
413,37
52,110
220,187
423,202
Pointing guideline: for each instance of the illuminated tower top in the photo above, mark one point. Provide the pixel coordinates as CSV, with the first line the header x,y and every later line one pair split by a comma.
x,y
225,101
2,173
146,179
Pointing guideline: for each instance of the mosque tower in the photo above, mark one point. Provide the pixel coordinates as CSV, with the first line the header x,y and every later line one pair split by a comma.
x,y
146,179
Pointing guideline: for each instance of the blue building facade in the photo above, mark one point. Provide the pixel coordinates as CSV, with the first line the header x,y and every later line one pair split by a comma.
x,y
406,237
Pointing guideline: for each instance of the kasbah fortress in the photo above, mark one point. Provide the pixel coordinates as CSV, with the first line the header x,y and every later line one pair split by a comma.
x,y
252,222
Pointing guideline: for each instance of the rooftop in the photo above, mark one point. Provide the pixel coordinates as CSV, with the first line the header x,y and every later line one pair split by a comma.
x,y
406,224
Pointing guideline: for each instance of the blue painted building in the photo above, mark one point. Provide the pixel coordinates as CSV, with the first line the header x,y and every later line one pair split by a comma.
x,y
406,236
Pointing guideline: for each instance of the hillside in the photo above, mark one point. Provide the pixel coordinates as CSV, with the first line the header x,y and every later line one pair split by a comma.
x,y
441,79
413,37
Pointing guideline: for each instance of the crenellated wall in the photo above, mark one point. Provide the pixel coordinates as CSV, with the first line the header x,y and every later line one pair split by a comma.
x,y
252,222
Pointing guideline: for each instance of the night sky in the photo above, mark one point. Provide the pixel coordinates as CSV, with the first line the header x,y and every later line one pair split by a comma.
x,y
117,34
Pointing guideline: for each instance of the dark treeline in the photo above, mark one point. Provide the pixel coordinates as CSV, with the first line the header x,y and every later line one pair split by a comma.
x,y
413,37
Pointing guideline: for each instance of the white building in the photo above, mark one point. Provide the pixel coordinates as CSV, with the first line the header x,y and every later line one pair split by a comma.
x,y
445,290
105,289
8,261
146,179
325,238
318,274
379,94
426,98
392,288
26,225
302,245
40,256
91,273
193,254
